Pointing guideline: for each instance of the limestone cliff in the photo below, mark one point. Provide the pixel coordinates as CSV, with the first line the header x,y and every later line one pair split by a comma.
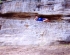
x,y
27,31
39,6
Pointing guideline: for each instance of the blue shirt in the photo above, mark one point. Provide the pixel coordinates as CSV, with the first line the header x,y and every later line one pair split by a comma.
x,y
40,19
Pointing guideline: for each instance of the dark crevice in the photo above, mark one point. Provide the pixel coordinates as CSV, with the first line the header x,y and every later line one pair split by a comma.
x,y
26,15
0,27
64,42
6,15
51,17
19,15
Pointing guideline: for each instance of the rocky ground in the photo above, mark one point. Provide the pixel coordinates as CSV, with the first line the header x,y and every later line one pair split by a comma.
x,y
35,50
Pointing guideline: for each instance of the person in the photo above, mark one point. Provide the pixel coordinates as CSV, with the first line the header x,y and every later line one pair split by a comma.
x,y
41,19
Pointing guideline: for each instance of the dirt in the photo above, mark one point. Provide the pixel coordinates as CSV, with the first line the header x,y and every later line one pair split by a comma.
x,y
35,50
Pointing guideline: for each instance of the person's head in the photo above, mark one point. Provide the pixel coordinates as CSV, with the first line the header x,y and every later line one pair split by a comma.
x,y
36,16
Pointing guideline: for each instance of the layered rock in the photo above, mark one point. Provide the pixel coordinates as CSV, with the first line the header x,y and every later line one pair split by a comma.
x,y
31,32
41,6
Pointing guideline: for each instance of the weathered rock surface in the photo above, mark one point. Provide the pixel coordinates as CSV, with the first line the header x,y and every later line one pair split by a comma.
x,y
31,32
42,6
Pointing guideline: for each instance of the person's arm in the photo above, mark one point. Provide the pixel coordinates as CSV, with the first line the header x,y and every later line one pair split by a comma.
x,y
36,17
46,20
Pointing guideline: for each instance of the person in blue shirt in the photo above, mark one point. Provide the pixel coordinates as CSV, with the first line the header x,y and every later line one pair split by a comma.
x,y
41,19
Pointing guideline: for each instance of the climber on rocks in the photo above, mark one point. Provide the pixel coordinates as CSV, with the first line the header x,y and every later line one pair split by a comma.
x,y
37,18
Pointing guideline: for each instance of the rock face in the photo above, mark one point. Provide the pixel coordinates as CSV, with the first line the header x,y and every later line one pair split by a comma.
x,y
31,32
39,6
